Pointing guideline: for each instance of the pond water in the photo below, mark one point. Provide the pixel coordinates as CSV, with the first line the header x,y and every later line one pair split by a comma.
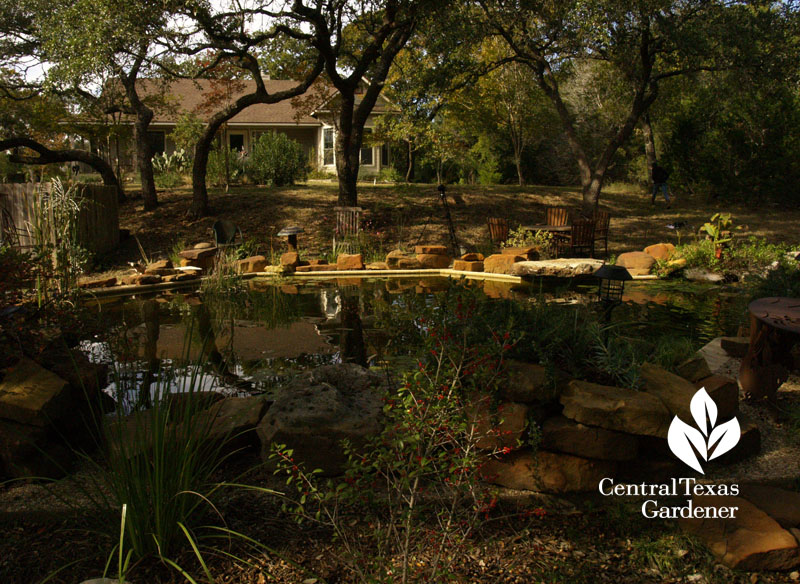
x,y
252,341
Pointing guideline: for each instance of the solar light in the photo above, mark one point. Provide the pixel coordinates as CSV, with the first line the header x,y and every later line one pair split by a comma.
x,y
291,236
612,283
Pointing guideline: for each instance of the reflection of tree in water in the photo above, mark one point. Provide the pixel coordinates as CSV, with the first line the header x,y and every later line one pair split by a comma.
x,y
351,339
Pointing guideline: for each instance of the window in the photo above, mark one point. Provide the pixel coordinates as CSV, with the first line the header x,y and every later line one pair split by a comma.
x,y
385,155
157,142
327,147
236,142
366,151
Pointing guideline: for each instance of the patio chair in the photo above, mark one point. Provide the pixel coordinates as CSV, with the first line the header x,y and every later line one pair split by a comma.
x,y
498,229
348,226
581,239
225,233
602,220
556,216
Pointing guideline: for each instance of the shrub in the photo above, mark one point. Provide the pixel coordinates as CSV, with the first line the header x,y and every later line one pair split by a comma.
x,y
277,160
221,159
168,180
542,240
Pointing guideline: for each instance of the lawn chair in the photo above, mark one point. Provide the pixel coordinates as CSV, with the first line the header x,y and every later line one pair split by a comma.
x,y
498,229
558,216
348,226
581,239
602,220
225,233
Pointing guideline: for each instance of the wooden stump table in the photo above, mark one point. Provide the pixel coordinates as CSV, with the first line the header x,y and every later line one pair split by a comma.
x,y
774,329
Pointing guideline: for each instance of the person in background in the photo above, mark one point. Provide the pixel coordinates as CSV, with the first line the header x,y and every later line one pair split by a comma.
x,y
660,175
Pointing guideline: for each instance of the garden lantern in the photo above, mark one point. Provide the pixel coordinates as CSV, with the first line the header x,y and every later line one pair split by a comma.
x,y
612,283
291,236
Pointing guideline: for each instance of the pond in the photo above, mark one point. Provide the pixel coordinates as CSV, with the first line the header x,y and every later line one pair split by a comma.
x,y
251,341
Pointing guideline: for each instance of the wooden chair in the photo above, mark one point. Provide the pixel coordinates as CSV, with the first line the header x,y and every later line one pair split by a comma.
x,y
348,226
556,216
602,220
581,239
498,229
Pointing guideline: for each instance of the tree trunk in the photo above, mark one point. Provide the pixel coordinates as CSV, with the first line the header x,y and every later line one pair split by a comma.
x,y
199,207
410,169
144,159
649,142
348,150
347,169
47,156
520,177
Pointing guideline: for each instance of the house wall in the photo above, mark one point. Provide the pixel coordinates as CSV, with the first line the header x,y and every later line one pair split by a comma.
x,y
372,168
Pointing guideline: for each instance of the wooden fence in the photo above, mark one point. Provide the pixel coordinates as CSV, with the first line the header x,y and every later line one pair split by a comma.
x,y
98,220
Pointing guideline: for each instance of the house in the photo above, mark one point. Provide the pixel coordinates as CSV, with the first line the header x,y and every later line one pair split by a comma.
x,y
306,119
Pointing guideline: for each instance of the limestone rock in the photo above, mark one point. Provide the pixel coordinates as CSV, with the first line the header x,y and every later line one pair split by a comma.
x,y
702,275
160,267
723,390
377,266
204,245
430,250
318,262
782,505
558,268
675,265
433,261
735,346
547,471
531,383
468,266
614,408
563,435
501,263
676,393
251,265
502,428
141,279
473,257
197,254
88,283
638,263
350,262
30,394
529,253
660,251
752,541
30,451
292,259
694,368
408,264
749,442
318,409
316,268
394,256
234,420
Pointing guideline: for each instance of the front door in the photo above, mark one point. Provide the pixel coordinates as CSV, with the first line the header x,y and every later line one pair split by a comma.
x,y
236,141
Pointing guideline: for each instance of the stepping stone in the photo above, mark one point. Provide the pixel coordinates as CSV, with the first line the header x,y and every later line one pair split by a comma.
x,y
558,268
752,541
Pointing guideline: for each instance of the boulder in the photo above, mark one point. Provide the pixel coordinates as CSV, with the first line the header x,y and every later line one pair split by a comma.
x,y
433,261
558,268
694,368
473,257
735,346
88,283
468,266
394,256
749,442
499,428
408,264
318,409
317,262
30,451
614,408
198,254
251,265
350,262
564,435
234,420
547,471
206,264
430,250
782,505
529,253
30,394
751,541
500,263
723,390
675,265
291,259
703,275
377,266
530,383
317,268
660,251
676,393
638,263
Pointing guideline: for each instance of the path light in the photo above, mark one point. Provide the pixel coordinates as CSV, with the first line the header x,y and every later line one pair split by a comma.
x,y
612,283
291,236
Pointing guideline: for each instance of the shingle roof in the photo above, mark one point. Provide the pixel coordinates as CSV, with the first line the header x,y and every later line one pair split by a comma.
x,y
192,95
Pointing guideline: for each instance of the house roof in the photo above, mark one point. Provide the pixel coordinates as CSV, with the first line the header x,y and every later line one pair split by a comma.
x,y
196,95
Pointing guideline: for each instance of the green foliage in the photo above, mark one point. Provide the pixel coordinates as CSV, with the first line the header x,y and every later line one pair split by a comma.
x,y
542,240
175,162
168,180
187,132
783,280
718,228
224,165
277,160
